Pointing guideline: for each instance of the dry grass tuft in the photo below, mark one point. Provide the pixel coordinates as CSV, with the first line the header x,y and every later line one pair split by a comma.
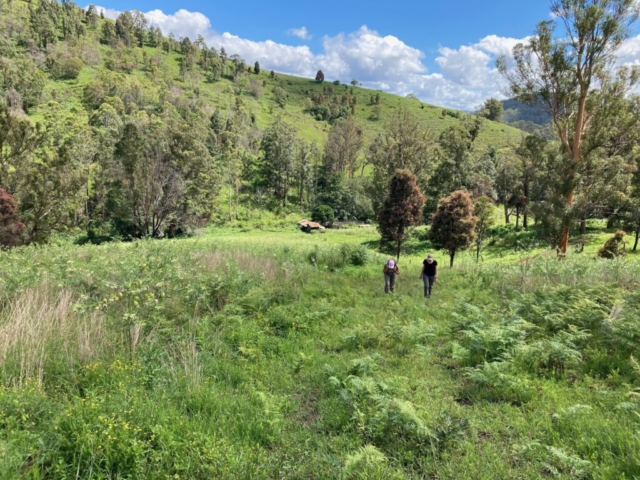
x,y
40,327
184,362
265,267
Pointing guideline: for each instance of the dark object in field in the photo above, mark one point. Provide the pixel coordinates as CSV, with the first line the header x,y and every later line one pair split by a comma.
x,y
338,225
611,248
306,226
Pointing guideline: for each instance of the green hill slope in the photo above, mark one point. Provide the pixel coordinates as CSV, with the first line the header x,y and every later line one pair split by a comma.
x,y
255,90
140,134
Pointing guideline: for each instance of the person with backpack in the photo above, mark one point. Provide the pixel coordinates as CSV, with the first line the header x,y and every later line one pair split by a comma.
x,y
391,271
429,274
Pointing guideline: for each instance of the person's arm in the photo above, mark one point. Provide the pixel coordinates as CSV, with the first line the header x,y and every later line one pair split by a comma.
x,y
435,277
422,272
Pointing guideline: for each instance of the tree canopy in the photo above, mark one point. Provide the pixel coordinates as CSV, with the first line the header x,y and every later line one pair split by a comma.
x,y
402,209
453,224
571,74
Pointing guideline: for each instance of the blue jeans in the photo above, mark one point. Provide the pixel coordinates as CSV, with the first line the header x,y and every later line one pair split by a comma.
x,y
428,284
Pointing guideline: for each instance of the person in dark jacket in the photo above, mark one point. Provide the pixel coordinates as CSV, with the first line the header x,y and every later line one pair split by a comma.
x,y
429,274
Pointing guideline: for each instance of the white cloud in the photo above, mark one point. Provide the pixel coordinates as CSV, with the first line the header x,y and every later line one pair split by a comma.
x,y
271,55
183,23
367,56
467,75
108,12
468,65
629,54
302,33
499,45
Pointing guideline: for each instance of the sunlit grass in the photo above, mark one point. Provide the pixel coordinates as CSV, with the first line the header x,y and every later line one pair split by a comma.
x,y
212,357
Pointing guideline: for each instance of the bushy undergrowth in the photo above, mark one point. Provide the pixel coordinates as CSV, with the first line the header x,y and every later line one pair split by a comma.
x,y
206,358
379,414
104,355
560,334
339,257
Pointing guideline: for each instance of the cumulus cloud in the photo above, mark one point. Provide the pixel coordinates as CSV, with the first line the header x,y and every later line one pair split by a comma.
x,y
629,54
367,56
271,55
183,23
302,33
108,12
467,75
468,65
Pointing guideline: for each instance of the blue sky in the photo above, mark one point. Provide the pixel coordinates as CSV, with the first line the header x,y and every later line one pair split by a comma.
x,y
442,51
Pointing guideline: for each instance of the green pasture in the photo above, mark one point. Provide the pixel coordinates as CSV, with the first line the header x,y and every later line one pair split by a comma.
x,y
271,353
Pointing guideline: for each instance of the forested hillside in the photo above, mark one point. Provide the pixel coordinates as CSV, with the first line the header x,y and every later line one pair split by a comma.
x,y
112,128
530,118
115,128
248,349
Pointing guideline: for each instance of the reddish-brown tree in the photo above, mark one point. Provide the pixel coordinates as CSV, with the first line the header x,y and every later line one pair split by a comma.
x,y
453,225
401,210
320,76
11,230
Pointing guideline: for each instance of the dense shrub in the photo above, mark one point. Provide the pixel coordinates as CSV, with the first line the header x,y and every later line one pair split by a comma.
x,y
340,257
612,247
67,68
328,112
507,236
280,96
323,214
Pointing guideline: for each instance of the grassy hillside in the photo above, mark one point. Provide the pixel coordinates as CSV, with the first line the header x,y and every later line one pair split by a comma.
x,y
222,94
255,351
274,354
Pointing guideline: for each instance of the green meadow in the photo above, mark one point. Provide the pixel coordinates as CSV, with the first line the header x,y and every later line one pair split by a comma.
x,y
244,353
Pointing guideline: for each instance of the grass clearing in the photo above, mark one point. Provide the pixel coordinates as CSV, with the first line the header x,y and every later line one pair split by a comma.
x,y
274,354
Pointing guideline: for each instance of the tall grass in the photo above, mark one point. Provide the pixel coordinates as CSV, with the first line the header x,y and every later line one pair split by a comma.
x,y
40,329
222,261
544,271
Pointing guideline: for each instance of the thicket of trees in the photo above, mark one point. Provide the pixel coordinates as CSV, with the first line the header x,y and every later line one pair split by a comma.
x,y
573,77
153,158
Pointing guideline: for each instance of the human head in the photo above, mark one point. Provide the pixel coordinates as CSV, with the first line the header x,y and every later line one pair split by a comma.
x,y
430,258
